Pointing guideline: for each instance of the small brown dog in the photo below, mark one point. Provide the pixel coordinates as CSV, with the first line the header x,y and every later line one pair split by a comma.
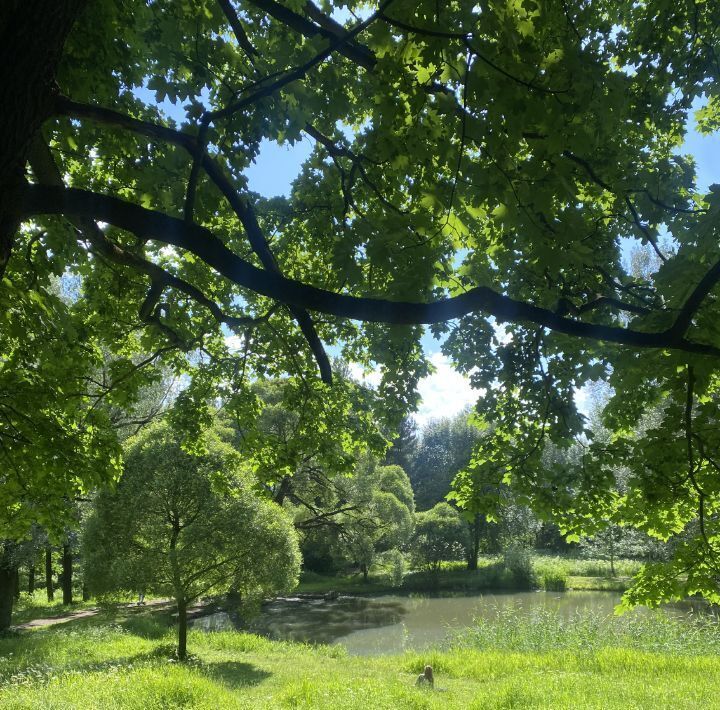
x,y
426,677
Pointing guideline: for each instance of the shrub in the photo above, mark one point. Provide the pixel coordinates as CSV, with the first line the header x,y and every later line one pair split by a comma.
x,y
554,581
518,565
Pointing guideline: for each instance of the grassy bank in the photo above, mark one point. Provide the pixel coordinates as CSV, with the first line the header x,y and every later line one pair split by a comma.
x,y
553,573
111,662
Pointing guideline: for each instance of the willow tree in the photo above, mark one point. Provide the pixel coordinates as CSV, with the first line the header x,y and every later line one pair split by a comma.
x,y
187,525
474,163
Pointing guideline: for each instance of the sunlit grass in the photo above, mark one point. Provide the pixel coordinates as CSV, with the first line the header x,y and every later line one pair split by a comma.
x,y
587,661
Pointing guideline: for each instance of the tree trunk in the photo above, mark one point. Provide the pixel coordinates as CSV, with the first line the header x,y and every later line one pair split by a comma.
x,y
7,581
182,629
16,583
179,590
48,574
32,36
365,573
31,578
67,572
472,561
85,592
282,491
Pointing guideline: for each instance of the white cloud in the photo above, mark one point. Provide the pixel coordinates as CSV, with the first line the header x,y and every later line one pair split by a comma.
x,y
582,399
444,393
235,343
371,378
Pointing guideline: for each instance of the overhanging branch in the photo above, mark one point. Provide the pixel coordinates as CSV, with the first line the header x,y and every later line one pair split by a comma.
x,y
240,206
326,28
205,245
47,172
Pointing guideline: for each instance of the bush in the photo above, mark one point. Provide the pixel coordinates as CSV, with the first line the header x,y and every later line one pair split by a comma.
x,y
554,581
518,565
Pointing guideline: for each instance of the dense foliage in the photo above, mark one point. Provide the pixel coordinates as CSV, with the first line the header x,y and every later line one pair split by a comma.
x,y
476,166
440,534
187,526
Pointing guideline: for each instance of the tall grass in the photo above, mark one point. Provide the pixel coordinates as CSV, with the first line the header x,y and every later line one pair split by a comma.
x,y
577,567
546,630
547,661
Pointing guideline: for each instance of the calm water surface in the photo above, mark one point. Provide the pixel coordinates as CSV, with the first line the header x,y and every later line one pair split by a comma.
x,y
391,624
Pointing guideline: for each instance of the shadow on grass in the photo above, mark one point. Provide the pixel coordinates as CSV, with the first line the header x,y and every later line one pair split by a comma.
x,y
235,673
150,626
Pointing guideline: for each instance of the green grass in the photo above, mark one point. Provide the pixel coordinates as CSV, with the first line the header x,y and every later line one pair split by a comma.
x,y
646,661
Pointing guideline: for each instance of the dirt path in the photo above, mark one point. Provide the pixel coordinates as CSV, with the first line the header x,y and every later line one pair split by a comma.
x,y
93,611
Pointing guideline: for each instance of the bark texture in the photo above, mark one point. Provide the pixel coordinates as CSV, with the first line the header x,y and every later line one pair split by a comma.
x,y
32,37
48,575
8,575
67,574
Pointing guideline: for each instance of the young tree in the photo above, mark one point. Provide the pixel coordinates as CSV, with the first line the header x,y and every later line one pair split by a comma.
x,y
187,525
441,534
382,518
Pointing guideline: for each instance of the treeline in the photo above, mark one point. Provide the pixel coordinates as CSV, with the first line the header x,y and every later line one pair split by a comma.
x,y
229,497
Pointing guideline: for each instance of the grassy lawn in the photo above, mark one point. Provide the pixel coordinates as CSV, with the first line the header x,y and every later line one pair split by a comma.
x,y
126,662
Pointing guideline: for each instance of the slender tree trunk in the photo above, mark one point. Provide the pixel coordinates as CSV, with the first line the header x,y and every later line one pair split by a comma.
x,y
7,580
32,36
16,583
67,574
182,628
180,598
48,574
31,578
365,573
475,543
85,592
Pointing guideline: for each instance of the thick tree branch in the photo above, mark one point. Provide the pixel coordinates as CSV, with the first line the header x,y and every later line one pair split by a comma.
x,y
327,28
238,29
204,244
240,206
263,91
694,301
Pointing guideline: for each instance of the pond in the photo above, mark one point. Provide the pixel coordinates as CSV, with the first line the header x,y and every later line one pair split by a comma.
x,y
391,624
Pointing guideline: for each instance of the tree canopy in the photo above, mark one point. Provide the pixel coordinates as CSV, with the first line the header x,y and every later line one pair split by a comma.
x,y
474,164
186,526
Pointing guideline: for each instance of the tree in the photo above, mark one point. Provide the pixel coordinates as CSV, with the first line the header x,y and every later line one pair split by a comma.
x,y
403,448
444,448
441,534
475,167
381,518
187,525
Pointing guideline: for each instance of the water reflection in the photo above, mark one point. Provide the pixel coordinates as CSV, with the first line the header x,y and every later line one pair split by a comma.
x,y
391,624
321,621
